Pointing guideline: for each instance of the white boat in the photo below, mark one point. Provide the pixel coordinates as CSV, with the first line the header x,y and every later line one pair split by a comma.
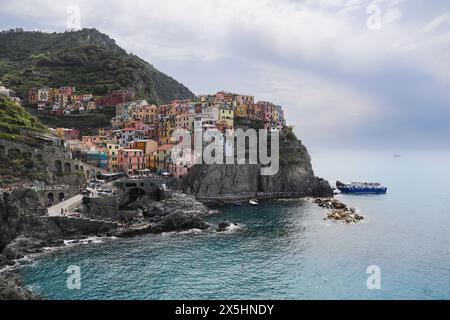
x,y
254,202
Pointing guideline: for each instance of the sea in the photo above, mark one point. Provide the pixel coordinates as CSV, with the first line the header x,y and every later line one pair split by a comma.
x,y
282,249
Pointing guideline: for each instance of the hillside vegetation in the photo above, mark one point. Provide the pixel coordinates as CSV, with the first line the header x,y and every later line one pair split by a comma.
x,y
14,118
86,59
17,167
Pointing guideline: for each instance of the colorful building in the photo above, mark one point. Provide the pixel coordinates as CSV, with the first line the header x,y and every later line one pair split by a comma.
x,y
97,158
115,97
163,156
147,146
131,160
68,134
113,156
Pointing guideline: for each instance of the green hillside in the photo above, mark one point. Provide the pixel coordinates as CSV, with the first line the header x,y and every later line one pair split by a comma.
x,y
86,59
14,118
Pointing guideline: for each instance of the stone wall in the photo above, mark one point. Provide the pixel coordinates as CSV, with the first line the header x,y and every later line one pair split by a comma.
x,y
105,208
56,195
62,169
73,227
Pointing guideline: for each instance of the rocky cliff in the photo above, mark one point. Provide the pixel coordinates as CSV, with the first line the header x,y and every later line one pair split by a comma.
x,y
25,229
295,175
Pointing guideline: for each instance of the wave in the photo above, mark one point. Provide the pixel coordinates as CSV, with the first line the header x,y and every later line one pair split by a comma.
x,y
234,227
185,232
89,240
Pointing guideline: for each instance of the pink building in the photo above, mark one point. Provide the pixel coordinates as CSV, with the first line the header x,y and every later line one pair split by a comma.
x,y
131,160
67,90
179,170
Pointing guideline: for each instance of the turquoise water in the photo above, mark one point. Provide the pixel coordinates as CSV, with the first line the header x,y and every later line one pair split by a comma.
x,y
284,249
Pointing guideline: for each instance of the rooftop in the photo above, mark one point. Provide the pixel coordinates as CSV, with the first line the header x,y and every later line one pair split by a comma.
x,y
165,147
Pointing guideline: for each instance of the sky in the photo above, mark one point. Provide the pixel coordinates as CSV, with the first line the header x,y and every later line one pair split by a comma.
x,y
351,74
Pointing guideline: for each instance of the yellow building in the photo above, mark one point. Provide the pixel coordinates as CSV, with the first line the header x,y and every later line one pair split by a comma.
x,y
91,140
184,121
275,115
75,97
226,116
152,162
147,146
172,111
147,114
162,156
242,111
112,150
166,127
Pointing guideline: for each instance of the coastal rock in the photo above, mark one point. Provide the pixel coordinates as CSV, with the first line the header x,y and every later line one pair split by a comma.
x,y
5,262
223,226
105,208
21,246
339,211
239,180
180,221
15,208
179,212
177,202
11,288
294,177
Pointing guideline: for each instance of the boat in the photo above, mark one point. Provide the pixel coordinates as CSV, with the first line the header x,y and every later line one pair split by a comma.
x,y
254,202
361,187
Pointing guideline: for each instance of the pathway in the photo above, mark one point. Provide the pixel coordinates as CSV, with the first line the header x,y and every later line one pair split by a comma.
x,y
68,205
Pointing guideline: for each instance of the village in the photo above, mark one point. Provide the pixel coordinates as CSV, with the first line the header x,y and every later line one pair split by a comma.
x,y
139,140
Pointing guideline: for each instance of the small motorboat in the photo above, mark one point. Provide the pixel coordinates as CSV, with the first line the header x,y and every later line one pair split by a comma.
x,y
254,202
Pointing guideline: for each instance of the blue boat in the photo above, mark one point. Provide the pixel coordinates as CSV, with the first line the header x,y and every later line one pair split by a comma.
x,y
361,188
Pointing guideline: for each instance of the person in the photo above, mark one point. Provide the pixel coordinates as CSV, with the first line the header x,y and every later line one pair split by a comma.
x,y
65,213
62,211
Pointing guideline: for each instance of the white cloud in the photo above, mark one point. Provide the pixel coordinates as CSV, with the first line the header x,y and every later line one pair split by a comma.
x,y
320,108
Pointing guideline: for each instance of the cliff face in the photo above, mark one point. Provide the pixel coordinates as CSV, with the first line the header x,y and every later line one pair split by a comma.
x,y
24,228
219,180
294,176
16,209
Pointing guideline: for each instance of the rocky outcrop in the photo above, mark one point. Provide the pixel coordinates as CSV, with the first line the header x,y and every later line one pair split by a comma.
x,y
223,226
180,212
105,208
177,202
294,177
180,221
16,210
339,211
21,246
11,288
23,221
218,180
24,229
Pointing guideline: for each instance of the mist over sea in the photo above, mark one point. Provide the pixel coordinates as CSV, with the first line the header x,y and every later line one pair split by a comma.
x,y
284,249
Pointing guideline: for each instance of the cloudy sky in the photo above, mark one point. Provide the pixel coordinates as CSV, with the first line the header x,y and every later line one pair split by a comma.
x,y
352,74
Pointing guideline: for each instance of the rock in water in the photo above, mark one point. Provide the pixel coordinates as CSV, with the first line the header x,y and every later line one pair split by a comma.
x,y
339,211
223,226
180,221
